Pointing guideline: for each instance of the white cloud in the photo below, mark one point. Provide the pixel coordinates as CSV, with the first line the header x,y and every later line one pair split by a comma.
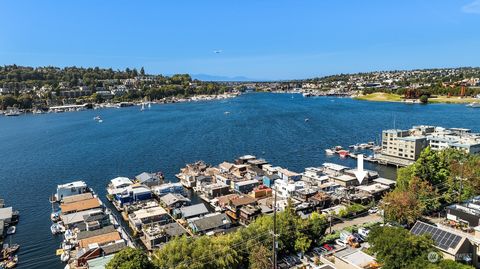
x,y
473,7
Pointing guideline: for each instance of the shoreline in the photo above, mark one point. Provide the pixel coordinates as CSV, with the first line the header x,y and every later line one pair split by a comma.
x,y
82,107
394,98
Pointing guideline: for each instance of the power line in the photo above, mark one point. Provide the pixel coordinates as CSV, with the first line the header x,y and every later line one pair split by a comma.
x,y
274,261
238,250
213,254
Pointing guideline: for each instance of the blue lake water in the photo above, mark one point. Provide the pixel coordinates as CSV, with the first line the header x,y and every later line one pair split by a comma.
x,y
37,152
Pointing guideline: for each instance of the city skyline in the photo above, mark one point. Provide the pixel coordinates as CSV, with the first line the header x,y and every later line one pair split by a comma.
x,y
252,40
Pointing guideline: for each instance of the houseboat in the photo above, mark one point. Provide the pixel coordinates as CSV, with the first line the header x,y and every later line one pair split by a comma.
x,y
89,230
69,189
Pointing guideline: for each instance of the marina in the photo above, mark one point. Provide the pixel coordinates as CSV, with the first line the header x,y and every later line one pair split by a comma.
x,y
9,218
15,111
401,148
234,194
87,228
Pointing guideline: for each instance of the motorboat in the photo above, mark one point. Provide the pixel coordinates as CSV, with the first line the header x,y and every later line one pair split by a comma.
x,y
11,230
67,246
343,153
57,228
55,216
10,249
329,152
97,118
474,105
306,94
11,262
12,113
65,256
69,235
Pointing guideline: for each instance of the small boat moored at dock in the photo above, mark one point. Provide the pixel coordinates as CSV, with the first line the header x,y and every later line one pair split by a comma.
x,y
11,230
65,256
57,228
9,250
55,216
343,153
11,262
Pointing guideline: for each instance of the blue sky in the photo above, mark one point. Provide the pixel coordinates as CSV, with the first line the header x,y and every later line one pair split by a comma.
x,y
259,39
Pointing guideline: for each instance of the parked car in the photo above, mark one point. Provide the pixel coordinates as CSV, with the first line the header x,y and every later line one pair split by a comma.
x,y
289,261
340,243
328,247
373,210
292,260
359,237
363,232
319,250
296,260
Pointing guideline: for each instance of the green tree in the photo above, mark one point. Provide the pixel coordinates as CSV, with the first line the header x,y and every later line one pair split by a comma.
x,y
287,224
260,258
404,175
130,258
431,166
397,248
424,99
25,101
402,207
449,264
7,101
97,98
302,243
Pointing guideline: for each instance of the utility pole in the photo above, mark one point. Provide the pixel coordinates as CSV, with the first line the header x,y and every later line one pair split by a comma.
x,y
330,218
274,261
461,182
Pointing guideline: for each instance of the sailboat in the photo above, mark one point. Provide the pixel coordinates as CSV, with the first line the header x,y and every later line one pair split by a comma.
x,y
149,105
143,107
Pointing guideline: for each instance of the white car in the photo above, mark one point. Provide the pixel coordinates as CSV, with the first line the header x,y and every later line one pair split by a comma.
x,y
373,210
340,243
363,232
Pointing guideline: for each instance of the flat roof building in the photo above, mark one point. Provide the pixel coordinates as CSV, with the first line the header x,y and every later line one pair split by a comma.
x,y
80,205
147,215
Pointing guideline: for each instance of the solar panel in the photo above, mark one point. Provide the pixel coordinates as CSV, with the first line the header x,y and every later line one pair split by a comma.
x,y
443,239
